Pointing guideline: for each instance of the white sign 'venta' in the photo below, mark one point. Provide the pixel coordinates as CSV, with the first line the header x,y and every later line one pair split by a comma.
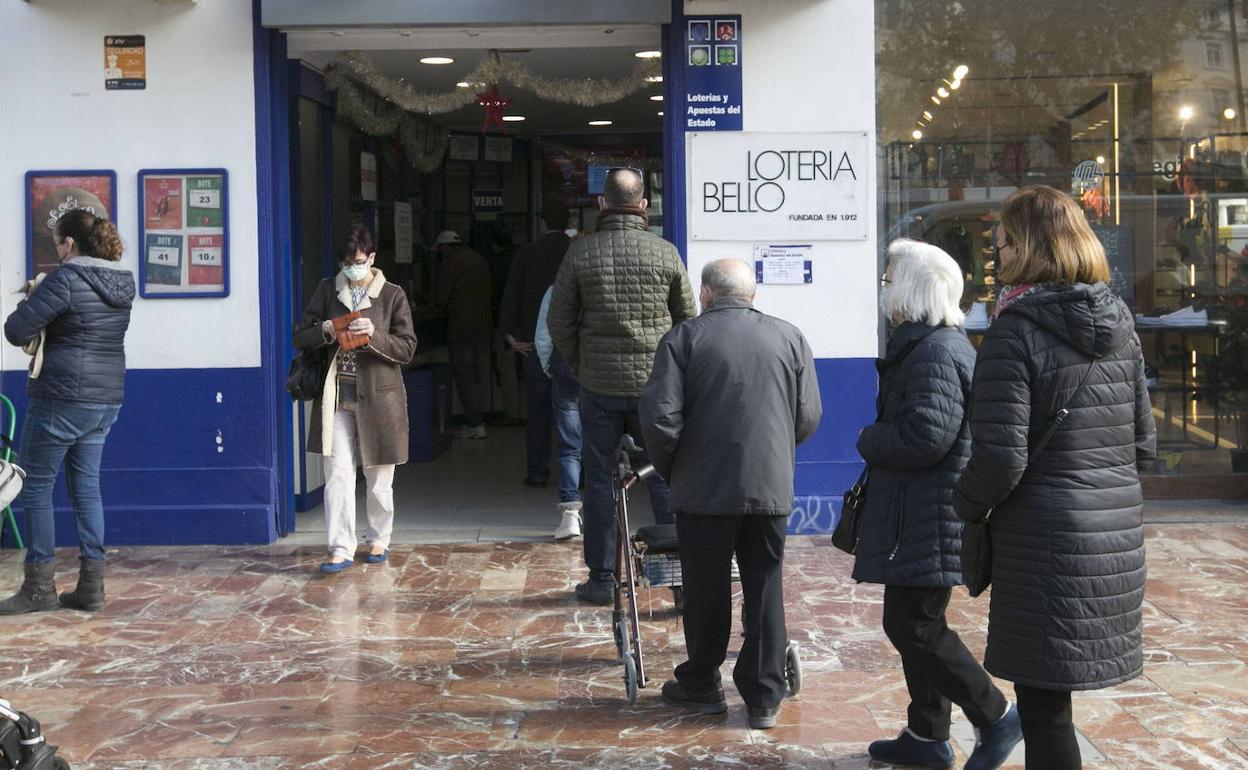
x,y
756,186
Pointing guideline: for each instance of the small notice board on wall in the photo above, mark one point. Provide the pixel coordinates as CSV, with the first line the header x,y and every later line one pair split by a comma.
x,y
184,233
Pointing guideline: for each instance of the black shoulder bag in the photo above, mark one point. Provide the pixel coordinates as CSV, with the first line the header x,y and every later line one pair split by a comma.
x,y
976,537
306,378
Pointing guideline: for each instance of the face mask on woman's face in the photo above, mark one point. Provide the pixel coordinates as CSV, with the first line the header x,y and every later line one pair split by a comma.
x,y
355,272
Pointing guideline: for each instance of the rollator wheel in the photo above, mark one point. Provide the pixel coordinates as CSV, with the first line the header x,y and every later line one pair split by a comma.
x,y
59,764
793,670
630,679
621,637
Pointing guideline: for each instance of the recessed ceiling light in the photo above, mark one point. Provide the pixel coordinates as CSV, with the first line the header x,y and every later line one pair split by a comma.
x,y
464,84
942,92
660,113
917,134
959,72
513,118
656,98
437,60
655,79
648,54
599,122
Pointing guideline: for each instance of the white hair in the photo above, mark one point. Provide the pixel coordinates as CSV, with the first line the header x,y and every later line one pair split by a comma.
x,y
925,284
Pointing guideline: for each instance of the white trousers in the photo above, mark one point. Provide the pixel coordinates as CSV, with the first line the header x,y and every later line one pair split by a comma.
x,y
340,493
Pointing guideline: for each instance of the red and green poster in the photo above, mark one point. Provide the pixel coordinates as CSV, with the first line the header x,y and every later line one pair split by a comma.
x,y
203,203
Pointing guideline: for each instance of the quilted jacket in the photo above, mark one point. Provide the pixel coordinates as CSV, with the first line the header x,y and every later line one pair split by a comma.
x,y
617,293
85,307
1068,542
916,449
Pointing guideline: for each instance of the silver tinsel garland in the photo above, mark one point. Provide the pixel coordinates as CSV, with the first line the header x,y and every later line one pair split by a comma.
x,y
586,92
424,145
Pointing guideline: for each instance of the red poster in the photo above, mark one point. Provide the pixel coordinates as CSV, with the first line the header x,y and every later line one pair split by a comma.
x,y
207,265
162,203
49,198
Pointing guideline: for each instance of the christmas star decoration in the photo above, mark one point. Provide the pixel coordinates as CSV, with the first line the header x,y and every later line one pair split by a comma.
x,y
495,105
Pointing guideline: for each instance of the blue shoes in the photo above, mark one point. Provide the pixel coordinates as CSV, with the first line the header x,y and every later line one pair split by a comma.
x,y
334,568
907,749
994,743
377,558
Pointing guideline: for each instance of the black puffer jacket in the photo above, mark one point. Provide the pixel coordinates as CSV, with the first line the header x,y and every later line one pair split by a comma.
x,y
916,449
85,308
1068,542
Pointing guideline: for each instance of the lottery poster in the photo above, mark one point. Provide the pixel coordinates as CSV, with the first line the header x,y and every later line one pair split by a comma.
x,y
50,195
184,232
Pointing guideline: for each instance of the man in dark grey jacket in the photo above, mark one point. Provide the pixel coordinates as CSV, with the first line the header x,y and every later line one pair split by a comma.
x,y
732,393
617,293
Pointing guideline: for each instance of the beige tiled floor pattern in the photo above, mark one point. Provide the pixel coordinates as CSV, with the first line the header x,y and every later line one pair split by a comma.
x,y
474,655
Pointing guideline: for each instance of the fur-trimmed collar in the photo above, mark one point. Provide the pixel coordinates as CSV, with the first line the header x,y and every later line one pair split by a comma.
x,y
343,287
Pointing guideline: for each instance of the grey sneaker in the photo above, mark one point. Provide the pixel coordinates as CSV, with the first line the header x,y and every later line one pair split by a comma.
x,y
570,521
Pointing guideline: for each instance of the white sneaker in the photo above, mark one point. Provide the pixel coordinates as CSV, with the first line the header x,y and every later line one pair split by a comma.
x,y
464,431
570,522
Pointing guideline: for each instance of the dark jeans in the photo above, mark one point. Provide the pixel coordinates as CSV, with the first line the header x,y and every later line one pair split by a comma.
x,y
604,419
938,667
73,433
1048,729
707,544
538,413
565,394
469,351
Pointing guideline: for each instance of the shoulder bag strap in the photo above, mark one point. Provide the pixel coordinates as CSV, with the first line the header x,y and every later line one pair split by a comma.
x,y
1060,416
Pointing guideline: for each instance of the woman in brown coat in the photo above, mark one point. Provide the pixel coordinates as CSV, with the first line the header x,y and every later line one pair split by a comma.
x,y
361,416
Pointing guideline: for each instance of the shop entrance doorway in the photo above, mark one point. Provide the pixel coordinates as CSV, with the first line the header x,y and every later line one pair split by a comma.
x,y
389,132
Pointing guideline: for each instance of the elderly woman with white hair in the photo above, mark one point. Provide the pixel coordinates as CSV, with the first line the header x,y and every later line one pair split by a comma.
x,y
910,538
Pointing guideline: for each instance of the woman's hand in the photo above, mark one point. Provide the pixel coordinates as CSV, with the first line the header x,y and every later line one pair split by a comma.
x,y
362,326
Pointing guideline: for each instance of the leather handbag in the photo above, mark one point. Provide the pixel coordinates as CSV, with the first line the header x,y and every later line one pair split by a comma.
x,y
977,535
849,527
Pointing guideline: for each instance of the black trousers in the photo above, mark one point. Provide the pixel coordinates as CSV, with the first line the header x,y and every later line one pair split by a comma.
x,y
707,544
1048,729
938,667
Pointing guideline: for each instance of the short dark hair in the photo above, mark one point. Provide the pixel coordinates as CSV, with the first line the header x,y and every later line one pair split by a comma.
x,y
624,188
554,213
358,239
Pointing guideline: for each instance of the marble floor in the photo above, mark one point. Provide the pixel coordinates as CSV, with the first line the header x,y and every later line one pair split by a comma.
x,y
474,655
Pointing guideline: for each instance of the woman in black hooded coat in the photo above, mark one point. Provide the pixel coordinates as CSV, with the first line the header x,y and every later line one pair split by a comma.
x,y
1066,527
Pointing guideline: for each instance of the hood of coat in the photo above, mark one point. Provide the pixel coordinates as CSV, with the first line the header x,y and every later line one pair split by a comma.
x,y
1088,317
902,341
113,283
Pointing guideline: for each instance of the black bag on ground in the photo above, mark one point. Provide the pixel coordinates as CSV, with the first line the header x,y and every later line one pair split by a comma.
x,y
22,746
306,378
849,527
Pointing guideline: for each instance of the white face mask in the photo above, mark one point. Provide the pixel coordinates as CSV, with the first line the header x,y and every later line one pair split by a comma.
x,y
355,272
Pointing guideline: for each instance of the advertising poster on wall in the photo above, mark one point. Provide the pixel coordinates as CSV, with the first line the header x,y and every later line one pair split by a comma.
x,y
49,196
368,177
779,186
125,62
184,232
402,232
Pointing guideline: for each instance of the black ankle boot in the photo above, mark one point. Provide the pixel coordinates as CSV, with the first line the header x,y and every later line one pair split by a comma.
x,y
38,592
89,593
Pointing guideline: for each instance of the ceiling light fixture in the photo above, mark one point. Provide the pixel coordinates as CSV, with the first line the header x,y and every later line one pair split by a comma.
x,y
648,54
1100,159
1186,112
437,60
955,84
513,118
927,115
959,72
917,134
656,98
464,84
1229,113
655,79
599,122
936,99
660,113
942,92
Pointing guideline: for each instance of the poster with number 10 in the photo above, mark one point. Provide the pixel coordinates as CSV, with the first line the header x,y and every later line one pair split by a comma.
x,y
184,232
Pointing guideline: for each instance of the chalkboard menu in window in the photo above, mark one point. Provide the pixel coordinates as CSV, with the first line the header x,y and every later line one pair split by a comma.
x,y
1120,251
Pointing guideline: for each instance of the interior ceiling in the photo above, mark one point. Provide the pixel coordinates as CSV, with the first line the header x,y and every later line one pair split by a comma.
x,y
551,53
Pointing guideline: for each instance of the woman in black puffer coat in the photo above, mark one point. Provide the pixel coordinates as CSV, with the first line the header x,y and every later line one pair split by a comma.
x,y
1067,535
910,538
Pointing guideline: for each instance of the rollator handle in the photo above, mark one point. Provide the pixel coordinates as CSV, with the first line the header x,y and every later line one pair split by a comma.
x,y
629,445
644,472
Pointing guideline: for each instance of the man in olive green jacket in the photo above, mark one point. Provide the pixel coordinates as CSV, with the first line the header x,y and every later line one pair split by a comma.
x,y
617,293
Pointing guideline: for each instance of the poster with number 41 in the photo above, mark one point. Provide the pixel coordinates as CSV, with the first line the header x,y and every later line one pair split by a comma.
x,y
184,230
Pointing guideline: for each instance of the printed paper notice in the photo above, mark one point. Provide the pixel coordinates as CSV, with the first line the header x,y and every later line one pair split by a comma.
x,y
783,264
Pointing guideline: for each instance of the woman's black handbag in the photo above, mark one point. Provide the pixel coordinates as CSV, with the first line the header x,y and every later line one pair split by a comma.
x,y
306,378
977,537
845,536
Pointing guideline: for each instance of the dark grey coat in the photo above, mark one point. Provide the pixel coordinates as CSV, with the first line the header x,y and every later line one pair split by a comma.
x,y
731,395
1068,541
85,308
916,450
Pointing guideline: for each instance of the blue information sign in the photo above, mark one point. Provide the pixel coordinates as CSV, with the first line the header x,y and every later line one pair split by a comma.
x,y
713,73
